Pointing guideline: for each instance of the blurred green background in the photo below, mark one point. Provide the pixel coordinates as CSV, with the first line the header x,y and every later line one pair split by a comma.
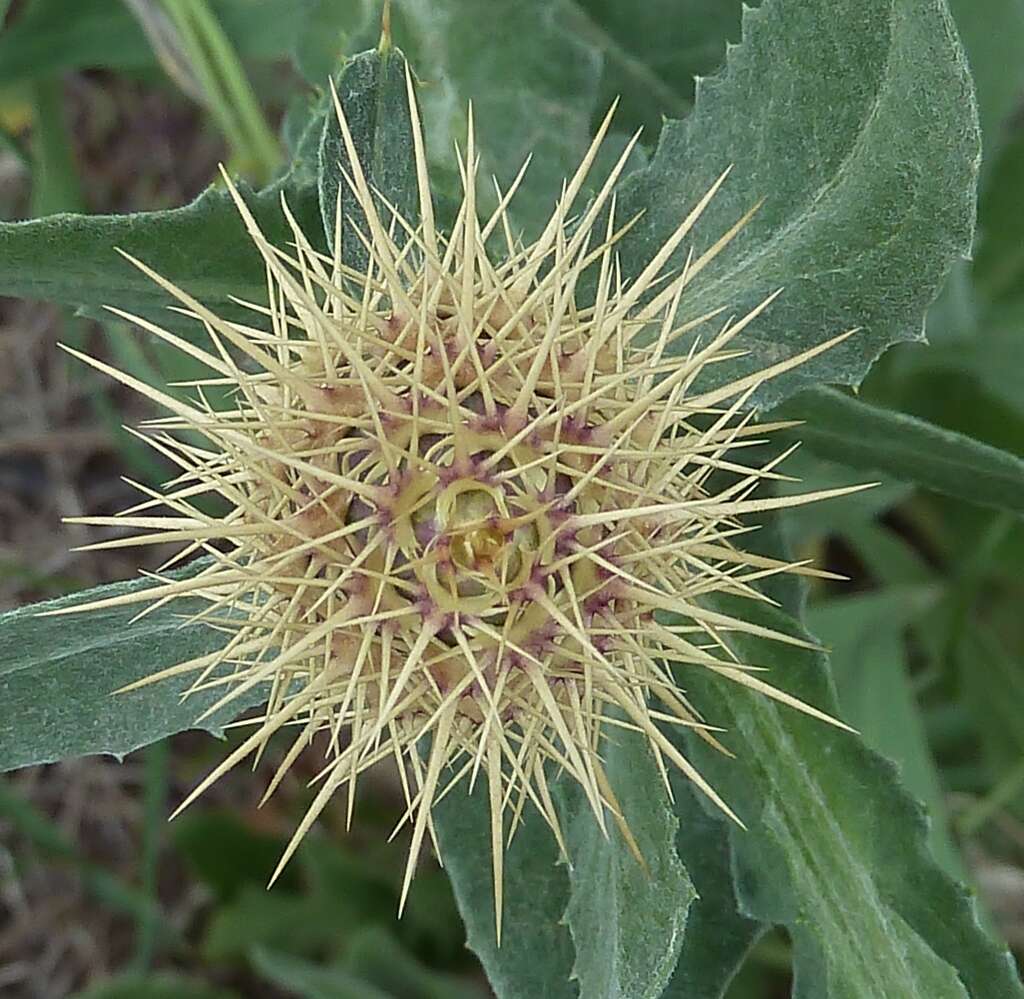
x,y
109,106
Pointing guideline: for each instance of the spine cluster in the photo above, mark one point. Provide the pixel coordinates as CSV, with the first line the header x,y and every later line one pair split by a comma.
x,y
464,505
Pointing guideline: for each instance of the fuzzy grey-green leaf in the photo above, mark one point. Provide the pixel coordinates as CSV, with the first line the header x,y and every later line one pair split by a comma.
x,y
718,936
58,677
373,95
855,121
536,955
202,247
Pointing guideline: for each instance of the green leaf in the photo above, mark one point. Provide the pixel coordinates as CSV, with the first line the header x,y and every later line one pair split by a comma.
x,y
955,396
536,953
855,433
58,677
954,313
163,985
888,556
855,120
529,69
373,93
202,247
313,981
718,936
627,921
834,848
991,685
289,922
995,358
56,186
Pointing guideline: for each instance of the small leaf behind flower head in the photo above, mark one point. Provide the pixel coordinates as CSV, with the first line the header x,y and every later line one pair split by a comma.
x,y
372,90
718,936
58,677
601,926
536,955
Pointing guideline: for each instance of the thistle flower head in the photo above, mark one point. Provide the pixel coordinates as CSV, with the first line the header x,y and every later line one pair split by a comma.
x,y
464,503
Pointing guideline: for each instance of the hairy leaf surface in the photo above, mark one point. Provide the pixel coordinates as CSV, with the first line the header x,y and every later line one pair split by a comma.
x,y
202,247
373,93
58,677
536,955
627,919
855,122
718,936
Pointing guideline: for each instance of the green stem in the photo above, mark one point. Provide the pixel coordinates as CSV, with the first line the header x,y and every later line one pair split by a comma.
x,y
55,183
215,104
157,758
229,96
239,90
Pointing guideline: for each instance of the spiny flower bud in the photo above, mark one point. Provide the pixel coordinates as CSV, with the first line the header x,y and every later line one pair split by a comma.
x,y
464,505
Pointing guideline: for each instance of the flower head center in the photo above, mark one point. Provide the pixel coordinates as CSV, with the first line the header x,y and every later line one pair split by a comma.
x,y
483,542
478,549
